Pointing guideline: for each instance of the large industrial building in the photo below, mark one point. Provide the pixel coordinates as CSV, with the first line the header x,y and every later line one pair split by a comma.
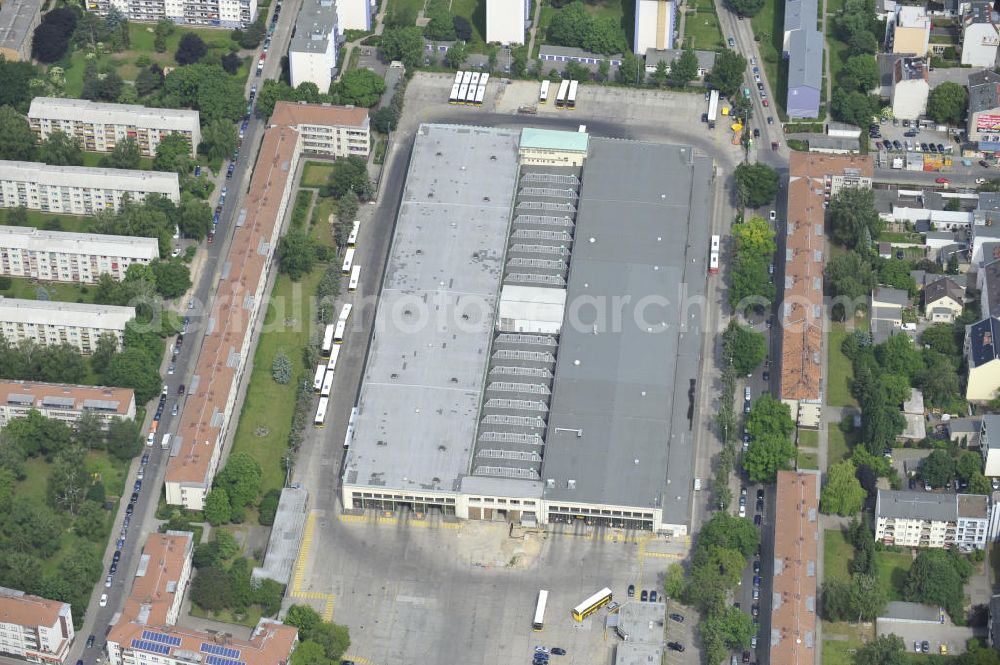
x,y
205,13
59,256
100,126
538,368
48,323
79,190
506,21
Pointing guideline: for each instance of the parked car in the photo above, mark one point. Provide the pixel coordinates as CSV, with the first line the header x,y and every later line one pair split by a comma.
x,y
558,651
631,590
679,618
675,646
104,600
644,596
942,181
652,596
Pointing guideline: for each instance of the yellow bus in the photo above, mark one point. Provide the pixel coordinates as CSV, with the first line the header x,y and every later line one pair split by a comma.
x,y
592,604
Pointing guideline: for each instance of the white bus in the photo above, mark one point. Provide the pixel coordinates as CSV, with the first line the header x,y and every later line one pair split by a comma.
x,y
331,365
453,97
350,428
480,94
713,263
466,78
715,243
543,93
338,333
592,604
327,341
543,597
320,373
355,278
561,95
571,95
713,108
327,384
352,238
458,78
474,81
470,98
320,419
348,261
463,92
484,78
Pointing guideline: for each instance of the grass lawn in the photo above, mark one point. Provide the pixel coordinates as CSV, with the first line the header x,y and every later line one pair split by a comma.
x,y
841,651
315,174
839,445
93,159
837,553
701,27
322,209
808,438
22,287
544,18
249,619
808,460
840,372
413,5
475,12
836,50
892,570
768,28
56,222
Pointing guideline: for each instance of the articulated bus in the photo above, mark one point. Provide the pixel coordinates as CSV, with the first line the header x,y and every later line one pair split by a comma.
x,y
348,261
327,341
320,419
571,95
350,428
327,384
320,373
352,238
561,95
453,97
338,333
592,604
539,622
331,365
355,278
543,93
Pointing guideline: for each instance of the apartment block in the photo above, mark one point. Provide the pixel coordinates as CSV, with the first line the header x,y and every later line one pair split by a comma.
x,y
49,323
64,402
56,256
79,190
654,25
206,13
506,20
931,519
355,14
101,126
146,631
312,54
330,131
34,629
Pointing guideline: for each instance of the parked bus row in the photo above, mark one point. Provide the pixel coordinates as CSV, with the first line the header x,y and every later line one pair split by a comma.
x,y
469,88
579,613
565,97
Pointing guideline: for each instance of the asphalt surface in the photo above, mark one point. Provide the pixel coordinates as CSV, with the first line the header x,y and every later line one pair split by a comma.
x,y
143,521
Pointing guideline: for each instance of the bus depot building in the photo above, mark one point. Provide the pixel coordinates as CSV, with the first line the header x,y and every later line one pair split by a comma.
x,y
538,335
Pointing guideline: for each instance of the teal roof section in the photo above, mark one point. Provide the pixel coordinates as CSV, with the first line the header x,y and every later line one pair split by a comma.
x,y
552,139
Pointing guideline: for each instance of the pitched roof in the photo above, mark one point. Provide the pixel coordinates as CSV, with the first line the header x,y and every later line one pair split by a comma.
x,y
983,91
805,59
24,609
293,114
984,345
941,288
991,285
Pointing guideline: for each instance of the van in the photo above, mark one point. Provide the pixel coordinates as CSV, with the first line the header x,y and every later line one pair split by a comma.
x,y
746,393
697,484
165,442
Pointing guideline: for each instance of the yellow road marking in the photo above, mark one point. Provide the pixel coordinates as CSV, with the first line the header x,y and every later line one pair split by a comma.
x,y
300,570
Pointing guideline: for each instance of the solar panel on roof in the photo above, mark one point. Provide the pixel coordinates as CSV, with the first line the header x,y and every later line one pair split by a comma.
x,y
219,660
161,638
100,405
145,645
220,650
61,402
21,399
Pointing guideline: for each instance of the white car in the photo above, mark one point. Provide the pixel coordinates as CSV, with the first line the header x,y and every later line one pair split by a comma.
x,y
149,439
743,513
772,215
104,600
107,581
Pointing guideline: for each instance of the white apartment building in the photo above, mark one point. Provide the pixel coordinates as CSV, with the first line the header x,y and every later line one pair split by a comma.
x,y
64,402
79,190
207,13
989,442
57,256
931,519
506,20
654,25
49,323
354,14
331,131
34,629
312,54
979,34
100,126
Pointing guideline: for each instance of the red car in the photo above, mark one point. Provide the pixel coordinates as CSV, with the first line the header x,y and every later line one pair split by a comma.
x,y
765,103
942,181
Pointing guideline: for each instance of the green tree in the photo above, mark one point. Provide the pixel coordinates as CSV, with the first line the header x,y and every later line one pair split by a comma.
x,y
938,468
757,184
727,72
867,597
631,71
743,347
673,581
124,439
37,435
218,139
309,653
939,381
570,26
729,630
68,481
217,507
17,141
853,107
860,73
361,87
604,35
852,217
206,88
15,78
746,7
729,532
684,69
938,577
211,589
942,338
281,368
898,355
896,273
440,25
31,527
303,617
296,254
240,479
91,522
836,602
765,457
173,278
132,369
456,55
968,465
883,650
190,50
842,494
660,75
125,155
405,44
754,249
947,103
268,507
173,153
60,150
384,120
850,275
769,417
164,28
577,72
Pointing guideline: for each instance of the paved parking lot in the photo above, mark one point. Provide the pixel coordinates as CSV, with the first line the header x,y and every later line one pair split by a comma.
x,y
937,634
427,590
893,134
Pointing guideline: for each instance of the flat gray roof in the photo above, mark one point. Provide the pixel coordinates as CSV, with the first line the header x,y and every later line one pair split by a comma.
x,y
618,430
907,504
286,534
419,399
315,26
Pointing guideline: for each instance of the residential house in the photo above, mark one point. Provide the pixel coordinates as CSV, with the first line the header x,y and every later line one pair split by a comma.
x,y
805,73
928,519
35,629
943,300
910,88
980,37
982,351
988,282
908,31
965,431
64,402
886,312
983,126
706,59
